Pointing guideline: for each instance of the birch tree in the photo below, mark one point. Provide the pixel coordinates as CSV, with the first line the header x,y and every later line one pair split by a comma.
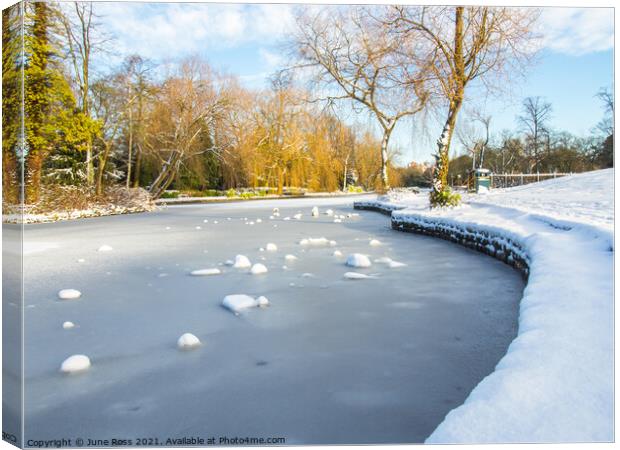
x,y
460,45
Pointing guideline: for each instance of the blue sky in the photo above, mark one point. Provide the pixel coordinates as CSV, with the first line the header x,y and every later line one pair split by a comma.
x,y
576,58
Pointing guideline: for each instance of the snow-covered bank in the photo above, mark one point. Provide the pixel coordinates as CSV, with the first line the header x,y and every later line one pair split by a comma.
x,y
225,199
555,384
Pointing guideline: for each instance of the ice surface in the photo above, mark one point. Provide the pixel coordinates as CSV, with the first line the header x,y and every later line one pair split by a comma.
x,y
75,363
205,272
319,331
358,260
69,294
188,341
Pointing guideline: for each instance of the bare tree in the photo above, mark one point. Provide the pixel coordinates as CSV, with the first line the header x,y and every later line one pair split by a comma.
x,y
83,38
535,122
352,52
110,106
182,120
462,44
606,96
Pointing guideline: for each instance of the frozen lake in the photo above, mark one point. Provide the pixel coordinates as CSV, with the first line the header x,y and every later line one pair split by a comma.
x,y
332,360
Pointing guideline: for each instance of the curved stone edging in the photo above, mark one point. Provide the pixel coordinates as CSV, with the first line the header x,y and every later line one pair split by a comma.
x,y
499,247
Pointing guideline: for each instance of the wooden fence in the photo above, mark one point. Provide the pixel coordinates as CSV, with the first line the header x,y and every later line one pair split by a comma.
x,y
502,180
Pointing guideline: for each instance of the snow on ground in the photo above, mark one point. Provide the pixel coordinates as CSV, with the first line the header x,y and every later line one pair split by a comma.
x,y
555,384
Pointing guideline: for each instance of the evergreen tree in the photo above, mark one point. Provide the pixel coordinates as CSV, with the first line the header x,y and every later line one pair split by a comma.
x,y
11,103
51,117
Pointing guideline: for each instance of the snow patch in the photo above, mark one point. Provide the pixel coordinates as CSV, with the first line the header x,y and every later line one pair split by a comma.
x,y
68,325
75,364
258,269
188,341
105,248
271,247
242,262
205,272
358,260
238,302
69,294
356,276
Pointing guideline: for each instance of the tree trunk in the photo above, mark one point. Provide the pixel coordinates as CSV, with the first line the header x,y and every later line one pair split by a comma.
x,y
33,166
385,184
166,175
103,160
129,149
137,168
442,157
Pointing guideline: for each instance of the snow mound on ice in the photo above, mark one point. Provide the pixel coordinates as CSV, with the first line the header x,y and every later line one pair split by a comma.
x,y
258,269
75,363
290,257
242,262
68,325
315,211
205,272
337,253
358,260
390,262
239,302
297,216
316,242
105,248
356,276
337,221
262,301
188,341
271,247
69,294
329,212
374,243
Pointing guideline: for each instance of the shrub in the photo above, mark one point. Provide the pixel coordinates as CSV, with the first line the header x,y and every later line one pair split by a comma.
x,y
444,198
170,194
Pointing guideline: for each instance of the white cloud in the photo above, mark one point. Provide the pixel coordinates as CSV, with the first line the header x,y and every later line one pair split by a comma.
x,y
577,31
168,30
